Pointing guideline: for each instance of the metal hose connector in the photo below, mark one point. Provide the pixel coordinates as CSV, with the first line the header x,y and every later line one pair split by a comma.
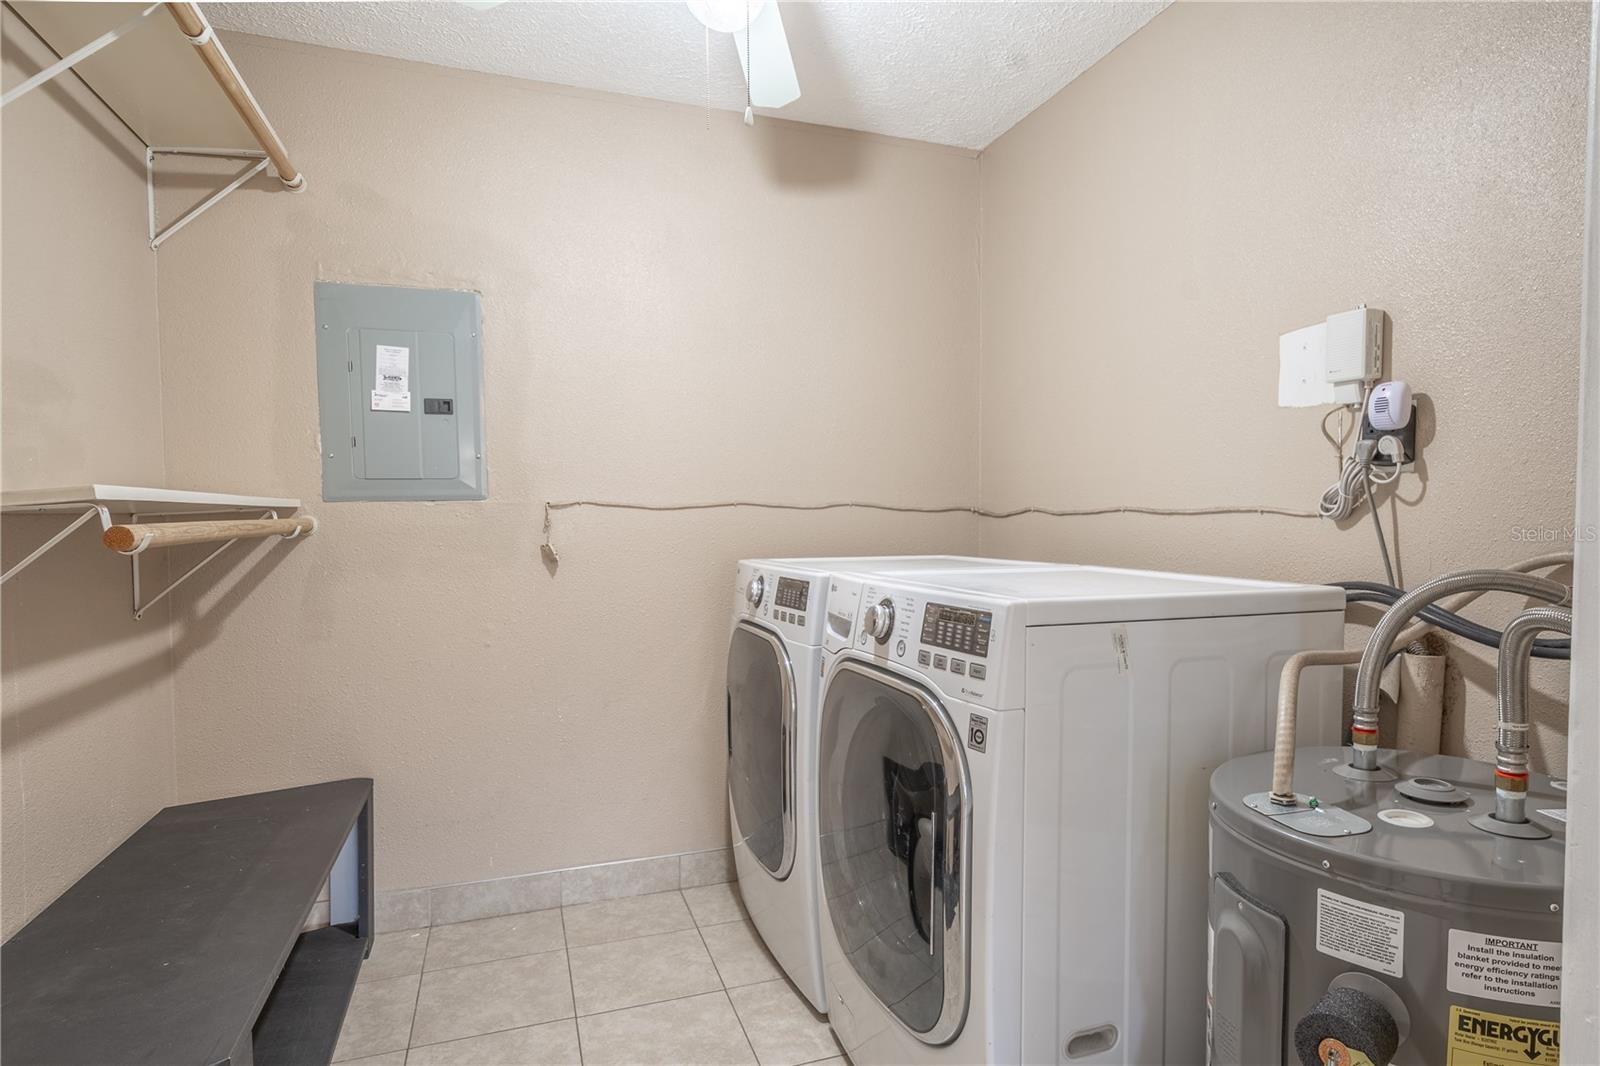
x,y
1364,720
1511,743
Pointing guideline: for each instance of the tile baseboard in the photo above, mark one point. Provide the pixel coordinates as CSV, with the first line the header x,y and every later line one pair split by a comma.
x,y
417,908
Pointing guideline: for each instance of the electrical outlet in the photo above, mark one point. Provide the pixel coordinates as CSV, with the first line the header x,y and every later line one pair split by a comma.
x,y
1407,438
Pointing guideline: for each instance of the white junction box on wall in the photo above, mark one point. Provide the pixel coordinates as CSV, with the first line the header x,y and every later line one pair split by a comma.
x,y
1354,352
1330,362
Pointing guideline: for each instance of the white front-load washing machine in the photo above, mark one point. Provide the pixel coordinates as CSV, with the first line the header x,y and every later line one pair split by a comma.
x,y
776,659
1012,803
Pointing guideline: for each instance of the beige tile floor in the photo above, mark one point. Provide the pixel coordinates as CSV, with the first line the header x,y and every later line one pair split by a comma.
x,y
672,979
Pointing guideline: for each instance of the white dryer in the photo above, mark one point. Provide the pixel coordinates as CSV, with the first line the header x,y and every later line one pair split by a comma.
x,y
1012,803
775,664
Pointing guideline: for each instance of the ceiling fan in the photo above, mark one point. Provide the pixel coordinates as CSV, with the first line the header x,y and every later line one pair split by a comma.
x,y
757,30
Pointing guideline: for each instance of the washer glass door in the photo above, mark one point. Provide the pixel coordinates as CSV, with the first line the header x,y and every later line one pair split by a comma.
x,y
761,712
895,822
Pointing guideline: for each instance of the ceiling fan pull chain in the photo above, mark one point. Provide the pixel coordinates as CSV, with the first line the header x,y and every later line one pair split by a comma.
x,y
749,65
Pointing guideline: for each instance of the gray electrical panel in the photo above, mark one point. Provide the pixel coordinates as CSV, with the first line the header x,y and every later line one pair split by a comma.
x,y
400,384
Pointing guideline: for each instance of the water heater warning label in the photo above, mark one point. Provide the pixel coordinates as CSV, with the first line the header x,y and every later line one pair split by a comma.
x,y
1505,968
1479,1038
1362,933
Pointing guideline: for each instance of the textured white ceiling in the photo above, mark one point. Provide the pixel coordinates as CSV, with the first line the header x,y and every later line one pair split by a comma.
x,y
957,73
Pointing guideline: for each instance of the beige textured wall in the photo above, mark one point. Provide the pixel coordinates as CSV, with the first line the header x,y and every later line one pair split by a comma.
x,y
671,313
86,700
1235,171
677,311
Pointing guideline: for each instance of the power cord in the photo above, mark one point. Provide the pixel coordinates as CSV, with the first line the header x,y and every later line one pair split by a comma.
x,y
1377,525
1356,482
1342,497
1345,495
548,547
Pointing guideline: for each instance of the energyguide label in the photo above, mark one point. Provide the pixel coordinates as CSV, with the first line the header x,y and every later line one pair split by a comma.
x,y
1482,1038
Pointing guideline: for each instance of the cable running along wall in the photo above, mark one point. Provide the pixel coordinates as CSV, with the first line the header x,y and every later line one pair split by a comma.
x,y
548,548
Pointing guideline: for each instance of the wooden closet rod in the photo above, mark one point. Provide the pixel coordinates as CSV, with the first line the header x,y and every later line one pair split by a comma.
x,y
132,539
204,38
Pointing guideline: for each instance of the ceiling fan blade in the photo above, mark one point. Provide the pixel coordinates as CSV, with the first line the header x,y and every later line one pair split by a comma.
x,y
775,83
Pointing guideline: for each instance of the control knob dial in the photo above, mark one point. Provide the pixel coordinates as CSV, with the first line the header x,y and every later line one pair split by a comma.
x,y
755,590
879,620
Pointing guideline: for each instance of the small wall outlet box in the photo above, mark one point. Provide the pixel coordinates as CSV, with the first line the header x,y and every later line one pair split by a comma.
x,y
1406,435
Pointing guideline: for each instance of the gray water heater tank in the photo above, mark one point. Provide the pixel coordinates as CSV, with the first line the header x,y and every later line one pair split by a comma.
x,y
1376,924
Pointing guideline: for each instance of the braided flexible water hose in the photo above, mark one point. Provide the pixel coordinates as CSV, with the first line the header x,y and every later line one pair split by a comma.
x,y
1289,680
1511,742
1364,712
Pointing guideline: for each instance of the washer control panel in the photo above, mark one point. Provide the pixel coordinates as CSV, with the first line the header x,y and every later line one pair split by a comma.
x,y
792,594
957,629
790,603
953,645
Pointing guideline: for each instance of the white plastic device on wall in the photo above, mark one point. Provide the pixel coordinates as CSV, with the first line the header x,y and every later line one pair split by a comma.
x,y
1338,363
1332,361
1389,406
1354,354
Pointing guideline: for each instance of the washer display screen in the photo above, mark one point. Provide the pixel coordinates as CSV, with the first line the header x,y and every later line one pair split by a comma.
x,y
957,628
792,593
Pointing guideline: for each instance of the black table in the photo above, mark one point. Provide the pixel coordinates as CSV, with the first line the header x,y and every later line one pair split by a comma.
x,y
185,945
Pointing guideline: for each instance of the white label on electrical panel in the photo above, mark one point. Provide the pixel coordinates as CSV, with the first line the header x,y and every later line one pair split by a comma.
x,y
1362,933
1119,645
392,379
1505,968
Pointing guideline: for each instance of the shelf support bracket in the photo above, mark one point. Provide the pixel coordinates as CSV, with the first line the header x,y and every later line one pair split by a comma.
x,y
159,237
139,609
105,523
67,62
